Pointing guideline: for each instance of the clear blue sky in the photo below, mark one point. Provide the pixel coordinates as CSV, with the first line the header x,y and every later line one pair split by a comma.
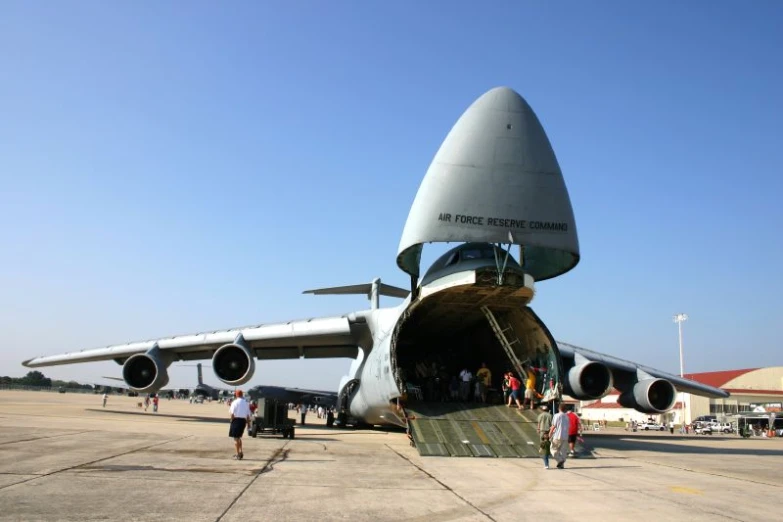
x,y
182,166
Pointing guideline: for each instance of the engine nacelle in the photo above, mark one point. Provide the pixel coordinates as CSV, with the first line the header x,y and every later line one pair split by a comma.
x,y
589,380
145,372
650,396
234,363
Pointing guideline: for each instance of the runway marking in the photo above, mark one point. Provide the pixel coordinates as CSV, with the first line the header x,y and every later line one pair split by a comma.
x,y
446,487
280,455
649,493
94,461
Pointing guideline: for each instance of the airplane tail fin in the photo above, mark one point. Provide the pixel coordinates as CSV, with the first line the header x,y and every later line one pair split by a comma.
x,y
373,291
200,376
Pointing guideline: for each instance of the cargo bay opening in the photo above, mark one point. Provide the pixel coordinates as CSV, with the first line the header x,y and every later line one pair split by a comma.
x,y
464,317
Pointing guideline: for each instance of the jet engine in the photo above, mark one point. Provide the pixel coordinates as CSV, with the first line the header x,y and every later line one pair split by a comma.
x,y
145,372
649,396
589,380
234,363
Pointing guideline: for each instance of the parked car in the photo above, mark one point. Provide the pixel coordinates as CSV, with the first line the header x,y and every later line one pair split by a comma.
x,y
713,427
647,426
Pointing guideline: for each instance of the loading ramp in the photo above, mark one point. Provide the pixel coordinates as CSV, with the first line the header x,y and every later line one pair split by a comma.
x,y
473,430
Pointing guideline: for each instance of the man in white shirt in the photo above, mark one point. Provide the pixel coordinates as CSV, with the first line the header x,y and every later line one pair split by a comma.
x,y
240,417
558,434
465,377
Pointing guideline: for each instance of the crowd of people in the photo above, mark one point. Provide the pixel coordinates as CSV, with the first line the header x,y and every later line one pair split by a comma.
x,y
320,411
432,382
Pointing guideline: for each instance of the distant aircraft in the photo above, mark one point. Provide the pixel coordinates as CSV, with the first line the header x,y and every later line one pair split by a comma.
x,y
205,390
495,182
326,399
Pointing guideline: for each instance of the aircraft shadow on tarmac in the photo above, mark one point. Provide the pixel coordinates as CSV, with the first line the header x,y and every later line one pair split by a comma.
x,y
217,420
194,418
571,466
639,442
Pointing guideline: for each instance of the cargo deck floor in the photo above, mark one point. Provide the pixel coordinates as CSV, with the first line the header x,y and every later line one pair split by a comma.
x,y
473,430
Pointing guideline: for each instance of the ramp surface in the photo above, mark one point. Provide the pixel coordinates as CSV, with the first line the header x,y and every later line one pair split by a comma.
x,y
473,430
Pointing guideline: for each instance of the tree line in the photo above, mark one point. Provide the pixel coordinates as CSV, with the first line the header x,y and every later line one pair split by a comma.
x,y
36,378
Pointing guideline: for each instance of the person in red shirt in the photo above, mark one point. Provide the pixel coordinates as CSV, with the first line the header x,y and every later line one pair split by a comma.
x,y
574,427
516,390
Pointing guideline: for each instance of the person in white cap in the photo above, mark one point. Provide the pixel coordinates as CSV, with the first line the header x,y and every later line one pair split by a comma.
x,y
544,421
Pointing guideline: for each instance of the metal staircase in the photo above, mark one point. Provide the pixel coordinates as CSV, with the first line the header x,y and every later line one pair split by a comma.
x,y
507,337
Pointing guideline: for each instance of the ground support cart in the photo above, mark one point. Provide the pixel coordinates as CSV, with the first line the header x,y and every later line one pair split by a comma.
x,y
272,419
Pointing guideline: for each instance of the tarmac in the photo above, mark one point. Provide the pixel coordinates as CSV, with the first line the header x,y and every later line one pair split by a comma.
x,y
65,457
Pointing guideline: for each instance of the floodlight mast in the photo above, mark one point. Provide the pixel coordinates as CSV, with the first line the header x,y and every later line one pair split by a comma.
x,y
679,319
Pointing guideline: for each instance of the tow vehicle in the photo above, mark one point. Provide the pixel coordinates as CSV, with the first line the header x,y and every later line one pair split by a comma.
x,y
271,419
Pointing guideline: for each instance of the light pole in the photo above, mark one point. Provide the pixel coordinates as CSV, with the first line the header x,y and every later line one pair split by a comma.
x,y
679,319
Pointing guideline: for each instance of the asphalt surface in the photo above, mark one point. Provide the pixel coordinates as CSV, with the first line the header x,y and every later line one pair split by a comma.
x,y
64,457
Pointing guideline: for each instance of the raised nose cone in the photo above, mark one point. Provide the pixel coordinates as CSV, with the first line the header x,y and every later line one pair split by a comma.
x,y
495,178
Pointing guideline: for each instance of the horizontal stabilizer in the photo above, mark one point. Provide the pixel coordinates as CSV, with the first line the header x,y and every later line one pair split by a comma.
x,y
371,290
365,289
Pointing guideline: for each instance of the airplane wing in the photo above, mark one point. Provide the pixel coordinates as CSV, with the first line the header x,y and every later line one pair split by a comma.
x,y
311,338
621,366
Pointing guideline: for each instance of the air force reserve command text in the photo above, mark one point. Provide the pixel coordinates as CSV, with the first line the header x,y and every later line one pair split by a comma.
x,y
461,219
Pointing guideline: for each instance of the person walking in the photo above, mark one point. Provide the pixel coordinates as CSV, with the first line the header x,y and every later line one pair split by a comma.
x,y
544,449
105,398
516,389
558,434
484,376
544,422
240,417
506,387
574,426
530,388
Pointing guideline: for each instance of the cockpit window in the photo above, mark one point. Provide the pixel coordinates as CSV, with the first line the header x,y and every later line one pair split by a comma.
x,y
476,253
471,254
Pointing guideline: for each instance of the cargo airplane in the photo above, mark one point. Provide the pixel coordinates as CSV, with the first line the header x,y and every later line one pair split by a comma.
x,y
494,183
263,391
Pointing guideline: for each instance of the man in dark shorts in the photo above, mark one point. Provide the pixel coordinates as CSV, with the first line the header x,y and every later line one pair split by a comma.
x,y
240,418
574,423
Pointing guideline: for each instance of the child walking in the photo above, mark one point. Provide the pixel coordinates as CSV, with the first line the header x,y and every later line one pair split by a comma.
x,y
544,448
